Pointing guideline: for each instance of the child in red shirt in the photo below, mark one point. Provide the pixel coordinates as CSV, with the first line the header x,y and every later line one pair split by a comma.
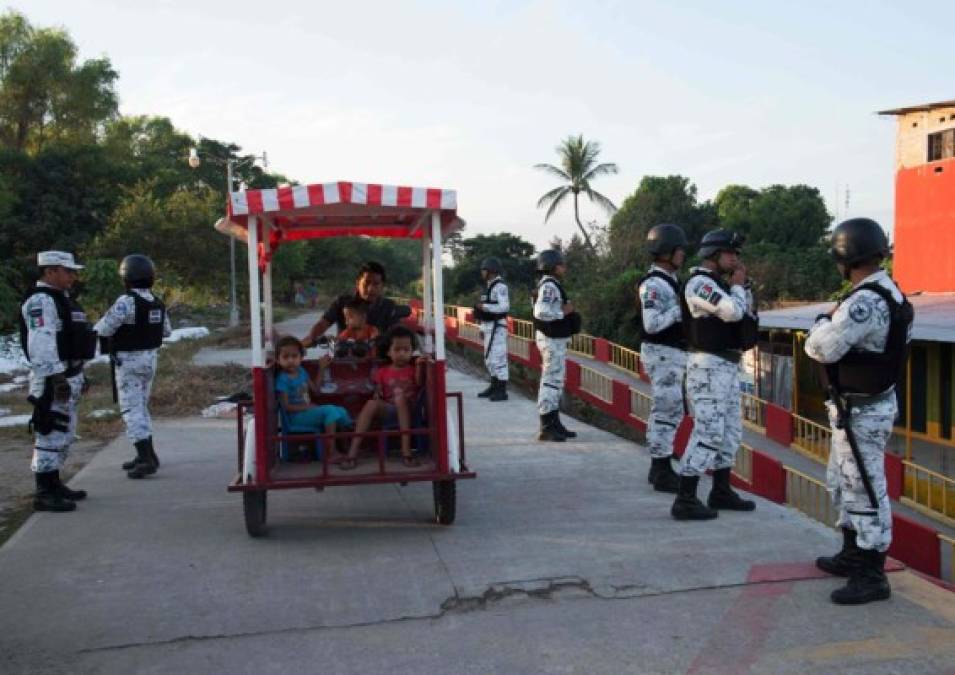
x,y
396,389
356,322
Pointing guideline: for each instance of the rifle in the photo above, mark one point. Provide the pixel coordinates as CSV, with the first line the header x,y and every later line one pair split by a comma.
x,y
844,422
106,347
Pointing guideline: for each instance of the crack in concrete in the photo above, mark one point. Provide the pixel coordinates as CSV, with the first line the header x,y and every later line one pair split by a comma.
x,y
546,589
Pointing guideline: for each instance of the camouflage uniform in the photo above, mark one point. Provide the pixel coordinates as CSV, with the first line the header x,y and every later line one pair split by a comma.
x,y
712,383
861,323
553,351
43,323
135,370
665,365
495,332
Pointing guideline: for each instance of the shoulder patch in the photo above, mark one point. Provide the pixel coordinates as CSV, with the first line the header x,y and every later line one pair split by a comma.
x,y
709,293
860,311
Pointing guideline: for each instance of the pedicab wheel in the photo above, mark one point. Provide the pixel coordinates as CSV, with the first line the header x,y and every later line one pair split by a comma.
x,y
445,501
254,507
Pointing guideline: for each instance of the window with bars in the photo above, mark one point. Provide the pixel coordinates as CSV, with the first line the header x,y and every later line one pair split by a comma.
x,y
941,145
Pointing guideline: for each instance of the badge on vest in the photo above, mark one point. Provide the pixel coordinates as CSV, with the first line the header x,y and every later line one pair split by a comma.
x,y
155,316
78,317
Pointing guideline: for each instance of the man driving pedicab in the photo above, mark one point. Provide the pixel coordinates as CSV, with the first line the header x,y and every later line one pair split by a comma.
x,y
382,312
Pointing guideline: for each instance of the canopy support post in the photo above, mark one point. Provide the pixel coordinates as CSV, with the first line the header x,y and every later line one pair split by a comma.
x,y
426,279
267,283
437,286
255,306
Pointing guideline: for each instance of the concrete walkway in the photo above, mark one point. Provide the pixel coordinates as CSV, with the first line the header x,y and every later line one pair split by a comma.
x,y
562,560
214,356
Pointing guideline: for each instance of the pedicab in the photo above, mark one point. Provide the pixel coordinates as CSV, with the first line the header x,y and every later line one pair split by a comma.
x,y
267,219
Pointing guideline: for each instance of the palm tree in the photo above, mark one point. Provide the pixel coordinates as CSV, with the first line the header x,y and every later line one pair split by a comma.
x,y
578,166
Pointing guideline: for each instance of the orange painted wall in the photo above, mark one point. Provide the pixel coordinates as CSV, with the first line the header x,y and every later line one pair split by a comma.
x,y
924,256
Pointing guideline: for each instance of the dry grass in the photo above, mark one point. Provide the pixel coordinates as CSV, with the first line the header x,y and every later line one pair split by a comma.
x,y
182,389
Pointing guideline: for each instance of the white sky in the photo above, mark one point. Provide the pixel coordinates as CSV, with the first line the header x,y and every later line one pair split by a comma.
x,y
471,95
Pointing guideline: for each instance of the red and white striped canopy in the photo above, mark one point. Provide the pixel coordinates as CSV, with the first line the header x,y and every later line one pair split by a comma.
x,y
341,209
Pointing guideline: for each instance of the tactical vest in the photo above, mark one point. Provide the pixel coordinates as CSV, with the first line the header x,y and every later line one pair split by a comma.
x,y
75,341
872,373
147,331
715,336
671,336
559,328
483,315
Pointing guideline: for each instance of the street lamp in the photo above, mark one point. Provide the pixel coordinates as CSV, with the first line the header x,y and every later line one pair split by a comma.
x,y
230,165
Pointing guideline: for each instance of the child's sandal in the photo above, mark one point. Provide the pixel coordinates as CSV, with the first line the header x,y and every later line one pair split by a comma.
x,y
348,464
410,460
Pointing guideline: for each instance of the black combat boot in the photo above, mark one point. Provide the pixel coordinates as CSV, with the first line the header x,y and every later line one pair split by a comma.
x,y
144,463
561,428
722,496
662,475
152,452
47,498
867,581
131,463
842,563
65,492
687,506
549,430
500,391
490,389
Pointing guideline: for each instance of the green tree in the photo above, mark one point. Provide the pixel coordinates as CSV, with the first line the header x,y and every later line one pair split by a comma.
x,y
793,216
658,199
578,167
59,198
45,95
463,280
175,231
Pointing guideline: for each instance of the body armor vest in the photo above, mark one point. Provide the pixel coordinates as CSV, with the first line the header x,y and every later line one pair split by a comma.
x,y
75,341
146,332
872,373
483,315
559,328
715,336
671,336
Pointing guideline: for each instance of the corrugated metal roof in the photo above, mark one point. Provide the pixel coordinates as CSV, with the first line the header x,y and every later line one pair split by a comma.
x,y
934,317
925,107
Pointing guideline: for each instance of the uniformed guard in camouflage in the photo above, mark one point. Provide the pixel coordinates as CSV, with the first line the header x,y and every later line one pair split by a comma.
x,y
863,342
555,320
56,340
720,323
663,348
491,312
136,323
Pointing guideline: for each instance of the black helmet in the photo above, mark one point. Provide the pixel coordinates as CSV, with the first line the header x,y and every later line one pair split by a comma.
x,y
857,240
720,240
137,271
664,239
491,264
548,259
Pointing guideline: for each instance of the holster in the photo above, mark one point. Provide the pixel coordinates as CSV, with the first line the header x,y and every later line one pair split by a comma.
x,y
44,419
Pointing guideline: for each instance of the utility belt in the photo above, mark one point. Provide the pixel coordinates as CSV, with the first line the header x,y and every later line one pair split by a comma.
x,y
852,400
730,355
